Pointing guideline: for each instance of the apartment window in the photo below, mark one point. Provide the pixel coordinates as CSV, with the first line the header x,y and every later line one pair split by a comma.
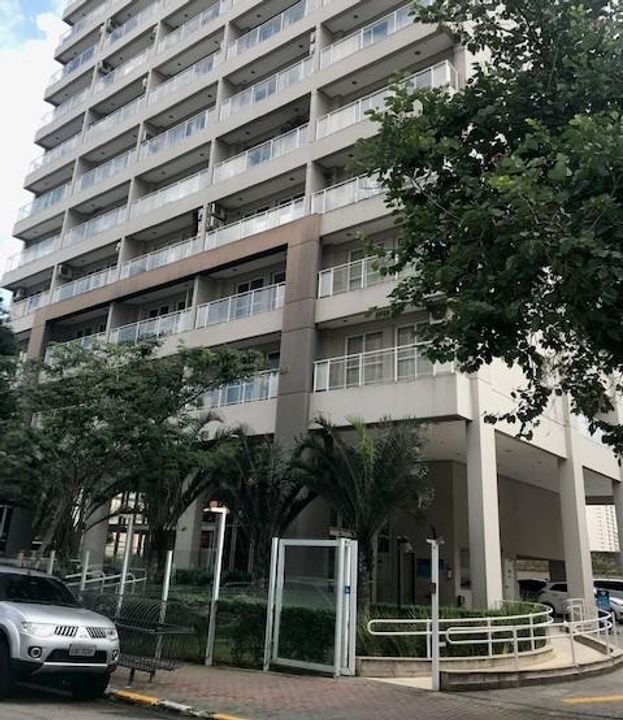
x,y
249,285
363,368
278,277
410,361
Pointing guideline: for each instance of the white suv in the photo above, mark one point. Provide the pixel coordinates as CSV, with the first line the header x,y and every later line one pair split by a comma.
x,y
555,596
45,632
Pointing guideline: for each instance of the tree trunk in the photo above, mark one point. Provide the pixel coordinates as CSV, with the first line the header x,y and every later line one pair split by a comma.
x,y
366,563
160,540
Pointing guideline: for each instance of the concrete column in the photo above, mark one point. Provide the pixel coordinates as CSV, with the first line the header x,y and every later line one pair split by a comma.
x,y
617,494
483,509
574,524
95,537
188,536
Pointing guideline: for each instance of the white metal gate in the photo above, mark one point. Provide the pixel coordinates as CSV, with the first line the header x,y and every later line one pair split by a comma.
x,y
313,574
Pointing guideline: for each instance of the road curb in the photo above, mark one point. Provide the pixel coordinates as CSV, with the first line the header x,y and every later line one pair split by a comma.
x,y
134,698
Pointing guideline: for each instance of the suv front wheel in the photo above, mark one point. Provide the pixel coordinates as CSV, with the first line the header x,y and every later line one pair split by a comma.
x,y
89,687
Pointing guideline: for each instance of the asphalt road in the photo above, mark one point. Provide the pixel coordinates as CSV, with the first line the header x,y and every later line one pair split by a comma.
x,y
32,703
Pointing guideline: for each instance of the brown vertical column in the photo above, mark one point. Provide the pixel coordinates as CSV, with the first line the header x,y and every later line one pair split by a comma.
x,y
37,338
298,336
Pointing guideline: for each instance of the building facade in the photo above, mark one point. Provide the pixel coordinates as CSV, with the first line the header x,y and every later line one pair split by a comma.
x,y
196,185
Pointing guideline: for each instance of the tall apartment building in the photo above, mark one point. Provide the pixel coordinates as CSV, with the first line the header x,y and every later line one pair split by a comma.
x,y
603,533
196,184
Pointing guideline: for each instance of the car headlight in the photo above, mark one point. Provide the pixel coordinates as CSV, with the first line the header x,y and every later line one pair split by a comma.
x,y
38,629
112,634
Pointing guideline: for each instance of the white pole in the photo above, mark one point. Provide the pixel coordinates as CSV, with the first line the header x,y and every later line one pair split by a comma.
x,y
270,606
51,559
216,583
164,597
85,570
127,552
434,551
339,610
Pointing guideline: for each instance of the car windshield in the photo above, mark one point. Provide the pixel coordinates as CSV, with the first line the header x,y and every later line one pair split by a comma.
x,y
35,589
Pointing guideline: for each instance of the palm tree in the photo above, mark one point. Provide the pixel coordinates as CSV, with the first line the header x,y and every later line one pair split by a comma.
x,y
366,480
253,478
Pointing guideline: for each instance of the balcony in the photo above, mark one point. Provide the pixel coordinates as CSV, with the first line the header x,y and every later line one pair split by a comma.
x,y
85,284
90,19
186,77
87,342
96,225
161,257
268,29
267,88
253,224
65,107
356,275
176,134
345,193
34,252
22,308
404,363
106,170
243,305
161,326
191,26
151,11
264,386
65,148
106,81
260,154
171,193
366,36
44,202
440,75
73,65
115,118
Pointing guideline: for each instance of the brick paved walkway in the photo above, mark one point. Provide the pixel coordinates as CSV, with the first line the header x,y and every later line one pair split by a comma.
x,y
277,696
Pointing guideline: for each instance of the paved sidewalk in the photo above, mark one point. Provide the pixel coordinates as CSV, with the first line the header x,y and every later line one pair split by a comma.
x,y
276,696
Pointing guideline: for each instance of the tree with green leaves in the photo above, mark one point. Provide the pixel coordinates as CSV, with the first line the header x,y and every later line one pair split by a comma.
x,y
111,418
8,362
509,200
366,478
253,478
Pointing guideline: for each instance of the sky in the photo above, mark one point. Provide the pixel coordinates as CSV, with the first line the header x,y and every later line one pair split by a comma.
x,y
29,32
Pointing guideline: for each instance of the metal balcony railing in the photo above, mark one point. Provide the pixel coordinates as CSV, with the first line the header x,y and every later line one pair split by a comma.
x,y
96,225
345,193
33,252
199,21
192,74
440,75
267,151
404,363
44,202
136,61
242,305
176,134
28,305
263,386
87,342
55,153
355,275
171,193
85,284
106,170
73,65
267,88
161,257
140,19
65,107
125,111
259,222
268,29
161,326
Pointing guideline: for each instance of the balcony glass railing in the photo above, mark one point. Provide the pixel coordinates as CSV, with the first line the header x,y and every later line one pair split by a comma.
x,y
355,275
404,363
192,25
28,305
87,342
368,35
108,80
267,151
44,202
345,193
85,284
243,305
55,153
263,386
440,75
193,73
96,225
253,224
177,133
73,65
171,193
125,111
33,252
84,22
267,88
161,326
106,170
161,257
268,29
65,107
132,23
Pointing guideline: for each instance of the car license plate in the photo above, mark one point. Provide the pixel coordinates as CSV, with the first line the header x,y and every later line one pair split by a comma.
x,y
82,650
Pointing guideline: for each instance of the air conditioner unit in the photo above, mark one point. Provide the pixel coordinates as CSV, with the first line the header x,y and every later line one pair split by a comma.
x,y
105,68
438,312
19,293
64,272
216,216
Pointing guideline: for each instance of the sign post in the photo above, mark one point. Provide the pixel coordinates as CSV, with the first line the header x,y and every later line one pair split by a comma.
x,y
434,595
